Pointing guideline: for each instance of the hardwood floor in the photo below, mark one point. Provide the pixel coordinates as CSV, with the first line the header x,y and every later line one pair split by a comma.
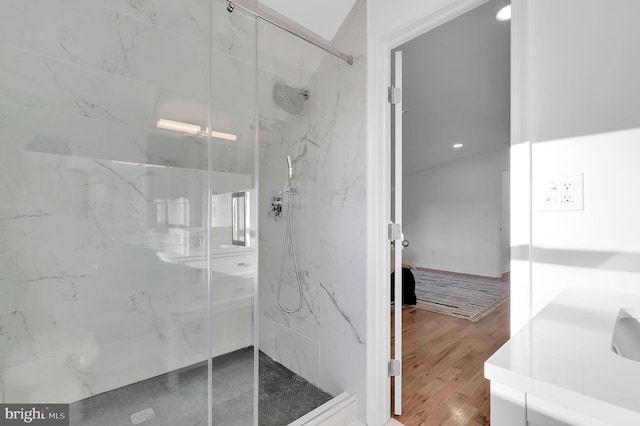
x,y
443,366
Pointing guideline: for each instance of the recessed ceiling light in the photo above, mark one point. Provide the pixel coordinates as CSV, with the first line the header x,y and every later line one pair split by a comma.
x,y
458,145
504,14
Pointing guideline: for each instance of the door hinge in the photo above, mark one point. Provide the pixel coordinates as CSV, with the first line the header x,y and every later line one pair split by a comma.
x,y
395,95
395,231
395,368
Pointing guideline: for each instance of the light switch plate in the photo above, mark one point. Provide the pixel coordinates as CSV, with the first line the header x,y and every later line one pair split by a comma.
x,y
561,192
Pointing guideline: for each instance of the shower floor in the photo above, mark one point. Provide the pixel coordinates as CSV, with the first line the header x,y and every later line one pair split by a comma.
x,y
179,398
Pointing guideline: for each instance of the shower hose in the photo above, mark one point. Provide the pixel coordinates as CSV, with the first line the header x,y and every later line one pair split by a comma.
x,y
289,238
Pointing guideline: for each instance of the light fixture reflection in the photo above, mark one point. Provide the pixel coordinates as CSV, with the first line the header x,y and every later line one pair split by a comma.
x,y
178,126
222,135
193,129
130,163
504,14
458,145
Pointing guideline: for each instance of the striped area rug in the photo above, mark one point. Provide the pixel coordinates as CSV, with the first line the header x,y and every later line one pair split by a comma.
x,y
459,296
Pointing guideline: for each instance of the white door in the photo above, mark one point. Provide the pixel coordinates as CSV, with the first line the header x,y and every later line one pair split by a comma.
x,y
395,97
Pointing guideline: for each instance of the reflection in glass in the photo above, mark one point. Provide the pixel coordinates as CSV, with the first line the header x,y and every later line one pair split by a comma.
x,y
239,216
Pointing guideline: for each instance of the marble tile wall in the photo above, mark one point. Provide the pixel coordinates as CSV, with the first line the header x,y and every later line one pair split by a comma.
x,y
325,341
96,203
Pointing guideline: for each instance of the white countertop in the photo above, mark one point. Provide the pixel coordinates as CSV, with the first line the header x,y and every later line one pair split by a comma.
x,y
197,258
564,356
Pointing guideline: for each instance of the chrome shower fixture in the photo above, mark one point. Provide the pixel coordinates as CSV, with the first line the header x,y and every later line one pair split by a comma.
x,y
291,100
289,243
290,174
230,7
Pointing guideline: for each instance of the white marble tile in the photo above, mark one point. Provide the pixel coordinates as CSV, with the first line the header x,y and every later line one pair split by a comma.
x,y
79,348
189,335
341,363
28,185
112,368
3,389
102,38
69,226
32,25
233,33
39,82
327,144
188,18
43,291
233,82
100,201
26,336
176,106
38,281
7,302
124,318
232,329
232,159
342,142
296,352
117,5
287,56
268,130
49,380
306,321
343,283
69,134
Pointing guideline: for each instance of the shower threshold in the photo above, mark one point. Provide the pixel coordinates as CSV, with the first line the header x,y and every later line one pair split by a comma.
x,y
179,398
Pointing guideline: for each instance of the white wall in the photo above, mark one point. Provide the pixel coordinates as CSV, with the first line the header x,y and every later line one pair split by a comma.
x,y
452,214
386,18
456,89
598,247
585,99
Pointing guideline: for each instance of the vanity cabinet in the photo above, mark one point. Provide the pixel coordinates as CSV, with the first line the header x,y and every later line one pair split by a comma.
x,y
560,370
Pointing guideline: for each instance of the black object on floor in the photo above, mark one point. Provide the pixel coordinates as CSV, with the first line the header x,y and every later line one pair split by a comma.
x,y
408,287
179,398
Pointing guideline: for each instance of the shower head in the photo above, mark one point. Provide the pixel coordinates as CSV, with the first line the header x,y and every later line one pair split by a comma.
x,y
290,99
290,173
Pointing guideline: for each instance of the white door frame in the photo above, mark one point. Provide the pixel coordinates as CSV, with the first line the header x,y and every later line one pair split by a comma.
x,y
379,178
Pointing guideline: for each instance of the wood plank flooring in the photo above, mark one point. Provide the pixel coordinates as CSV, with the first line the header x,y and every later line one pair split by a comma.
x,y
443,366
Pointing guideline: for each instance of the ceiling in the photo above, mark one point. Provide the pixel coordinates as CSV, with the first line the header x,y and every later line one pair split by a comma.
x,y
322,17
456,81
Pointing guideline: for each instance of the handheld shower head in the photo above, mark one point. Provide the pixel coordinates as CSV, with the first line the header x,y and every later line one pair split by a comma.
x,y
290,173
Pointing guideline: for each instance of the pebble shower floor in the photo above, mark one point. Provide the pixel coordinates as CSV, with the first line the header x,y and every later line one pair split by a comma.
x,y
179,397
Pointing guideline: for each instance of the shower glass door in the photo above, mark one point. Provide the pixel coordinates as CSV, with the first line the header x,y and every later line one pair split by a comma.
x,y
232,230
122,296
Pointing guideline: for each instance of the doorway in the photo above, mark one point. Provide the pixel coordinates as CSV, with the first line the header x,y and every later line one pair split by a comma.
x,y
455,123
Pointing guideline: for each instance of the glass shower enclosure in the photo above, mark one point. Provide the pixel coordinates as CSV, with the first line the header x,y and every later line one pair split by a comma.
x,y
141,148
125,128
